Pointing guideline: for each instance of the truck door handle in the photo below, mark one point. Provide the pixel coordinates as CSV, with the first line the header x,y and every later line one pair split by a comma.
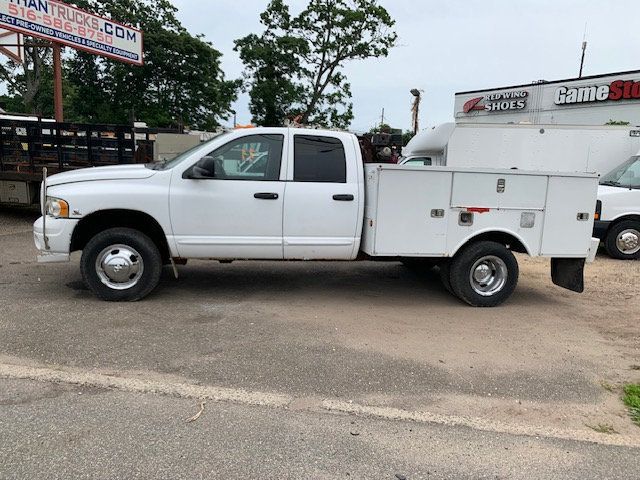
x,y
266,196
344,198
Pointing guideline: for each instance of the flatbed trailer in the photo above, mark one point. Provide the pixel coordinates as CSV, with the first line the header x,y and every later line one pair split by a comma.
x,y
27,146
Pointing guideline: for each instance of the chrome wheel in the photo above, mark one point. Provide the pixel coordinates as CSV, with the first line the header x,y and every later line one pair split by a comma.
x,y
119,267
628,241
488,275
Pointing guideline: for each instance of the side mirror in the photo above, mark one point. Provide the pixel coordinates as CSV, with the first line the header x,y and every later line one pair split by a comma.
x,y
195,174
203,170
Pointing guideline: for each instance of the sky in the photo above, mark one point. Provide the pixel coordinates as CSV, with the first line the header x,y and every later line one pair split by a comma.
x,y
447,46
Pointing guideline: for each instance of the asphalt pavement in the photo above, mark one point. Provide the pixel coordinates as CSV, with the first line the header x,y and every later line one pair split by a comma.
x,y
313,370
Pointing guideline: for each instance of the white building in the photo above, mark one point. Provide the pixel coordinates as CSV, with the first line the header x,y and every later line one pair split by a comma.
x,y
593,100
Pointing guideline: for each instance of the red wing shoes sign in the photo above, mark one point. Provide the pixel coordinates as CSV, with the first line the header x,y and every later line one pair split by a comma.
x,y
617,90
498,102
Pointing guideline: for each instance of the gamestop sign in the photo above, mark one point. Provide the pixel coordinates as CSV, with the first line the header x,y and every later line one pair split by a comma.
x,y
62,23
615,91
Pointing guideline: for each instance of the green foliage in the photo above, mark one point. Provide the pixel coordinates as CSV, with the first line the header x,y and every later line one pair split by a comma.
x,y
181,82
406,137
631,399
30,86
619,123
384,127
310,51
273,60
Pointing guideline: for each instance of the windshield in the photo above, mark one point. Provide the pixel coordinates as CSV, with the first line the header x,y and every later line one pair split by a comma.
x,y
626,175
184,155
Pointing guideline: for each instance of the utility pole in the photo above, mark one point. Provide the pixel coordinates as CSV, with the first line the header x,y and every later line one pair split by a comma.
x,y
584,50
57,82
382,119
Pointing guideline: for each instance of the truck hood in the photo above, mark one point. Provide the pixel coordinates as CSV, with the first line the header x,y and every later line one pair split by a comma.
x,y
607,191
115,172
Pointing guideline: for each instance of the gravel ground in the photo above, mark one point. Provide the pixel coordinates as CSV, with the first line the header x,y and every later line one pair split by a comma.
x,y
431,388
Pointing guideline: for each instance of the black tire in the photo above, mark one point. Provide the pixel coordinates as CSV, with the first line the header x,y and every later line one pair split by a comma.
x,y
445,276
503,278
148,256
632,228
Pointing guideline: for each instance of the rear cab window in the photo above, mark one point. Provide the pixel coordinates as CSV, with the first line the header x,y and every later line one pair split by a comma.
x,y
319,159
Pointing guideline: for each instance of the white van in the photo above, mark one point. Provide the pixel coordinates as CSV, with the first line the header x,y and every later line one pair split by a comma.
x,y
618,210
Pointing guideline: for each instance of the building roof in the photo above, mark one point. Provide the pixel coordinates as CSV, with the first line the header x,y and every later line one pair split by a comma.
x,y
545,82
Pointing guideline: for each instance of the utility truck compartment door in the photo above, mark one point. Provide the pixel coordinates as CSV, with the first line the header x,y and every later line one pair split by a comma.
x,y
413,210
569,216
494,190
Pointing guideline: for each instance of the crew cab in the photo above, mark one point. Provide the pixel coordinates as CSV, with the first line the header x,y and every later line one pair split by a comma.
x,y
617,221
301,194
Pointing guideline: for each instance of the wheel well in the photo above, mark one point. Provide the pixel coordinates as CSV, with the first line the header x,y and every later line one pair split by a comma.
x,y
633,218
105,219
627,218
506,239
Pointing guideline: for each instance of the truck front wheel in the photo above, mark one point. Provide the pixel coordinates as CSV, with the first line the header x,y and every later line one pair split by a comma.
x,y
623,240
484,274
121,265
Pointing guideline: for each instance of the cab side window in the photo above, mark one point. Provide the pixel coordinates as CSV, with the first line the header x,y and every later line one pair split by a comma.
x,y
319,159
254,157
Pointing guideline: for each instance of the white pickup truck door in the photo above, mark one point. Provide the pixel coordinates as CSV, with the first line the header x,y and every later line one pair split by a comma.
x,y
322,197
234,210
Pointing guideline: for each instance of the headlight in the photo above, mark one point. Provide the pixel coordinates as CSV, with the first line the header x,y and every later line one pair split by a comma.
x,y
57,208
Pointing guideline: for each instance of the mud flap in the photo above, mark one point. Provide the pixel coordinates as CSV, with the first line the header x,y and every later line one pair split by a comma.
x,y
568,273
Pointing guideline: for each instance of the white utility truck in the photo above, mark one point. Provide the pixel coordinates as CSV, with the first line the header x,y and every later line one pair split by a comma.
x,y
564,148
617,221
297,194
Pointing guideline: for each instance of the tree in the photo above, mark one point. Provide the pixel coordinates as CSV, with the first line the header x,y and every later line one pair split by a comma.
x,y
181,82
382,128
273,61
29,83
406,137
312,49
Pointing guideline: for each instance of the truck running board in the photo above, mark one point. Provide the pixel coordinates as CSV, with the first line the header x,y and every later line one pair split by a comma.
x,y
568,273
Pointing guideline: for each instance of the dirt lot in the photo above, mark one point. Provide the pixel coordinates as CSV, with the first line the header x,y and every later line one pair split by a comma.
x,y
351,352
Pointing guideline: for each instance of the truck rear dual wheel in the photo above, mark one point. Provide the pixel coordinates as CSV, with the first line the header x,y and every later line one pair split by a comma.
x,y
121,265
623,240
483,274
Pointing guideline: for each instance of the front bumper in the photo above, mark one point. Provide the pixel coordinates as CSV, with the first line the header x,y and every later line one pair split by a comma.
x,y
59,233
600,229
